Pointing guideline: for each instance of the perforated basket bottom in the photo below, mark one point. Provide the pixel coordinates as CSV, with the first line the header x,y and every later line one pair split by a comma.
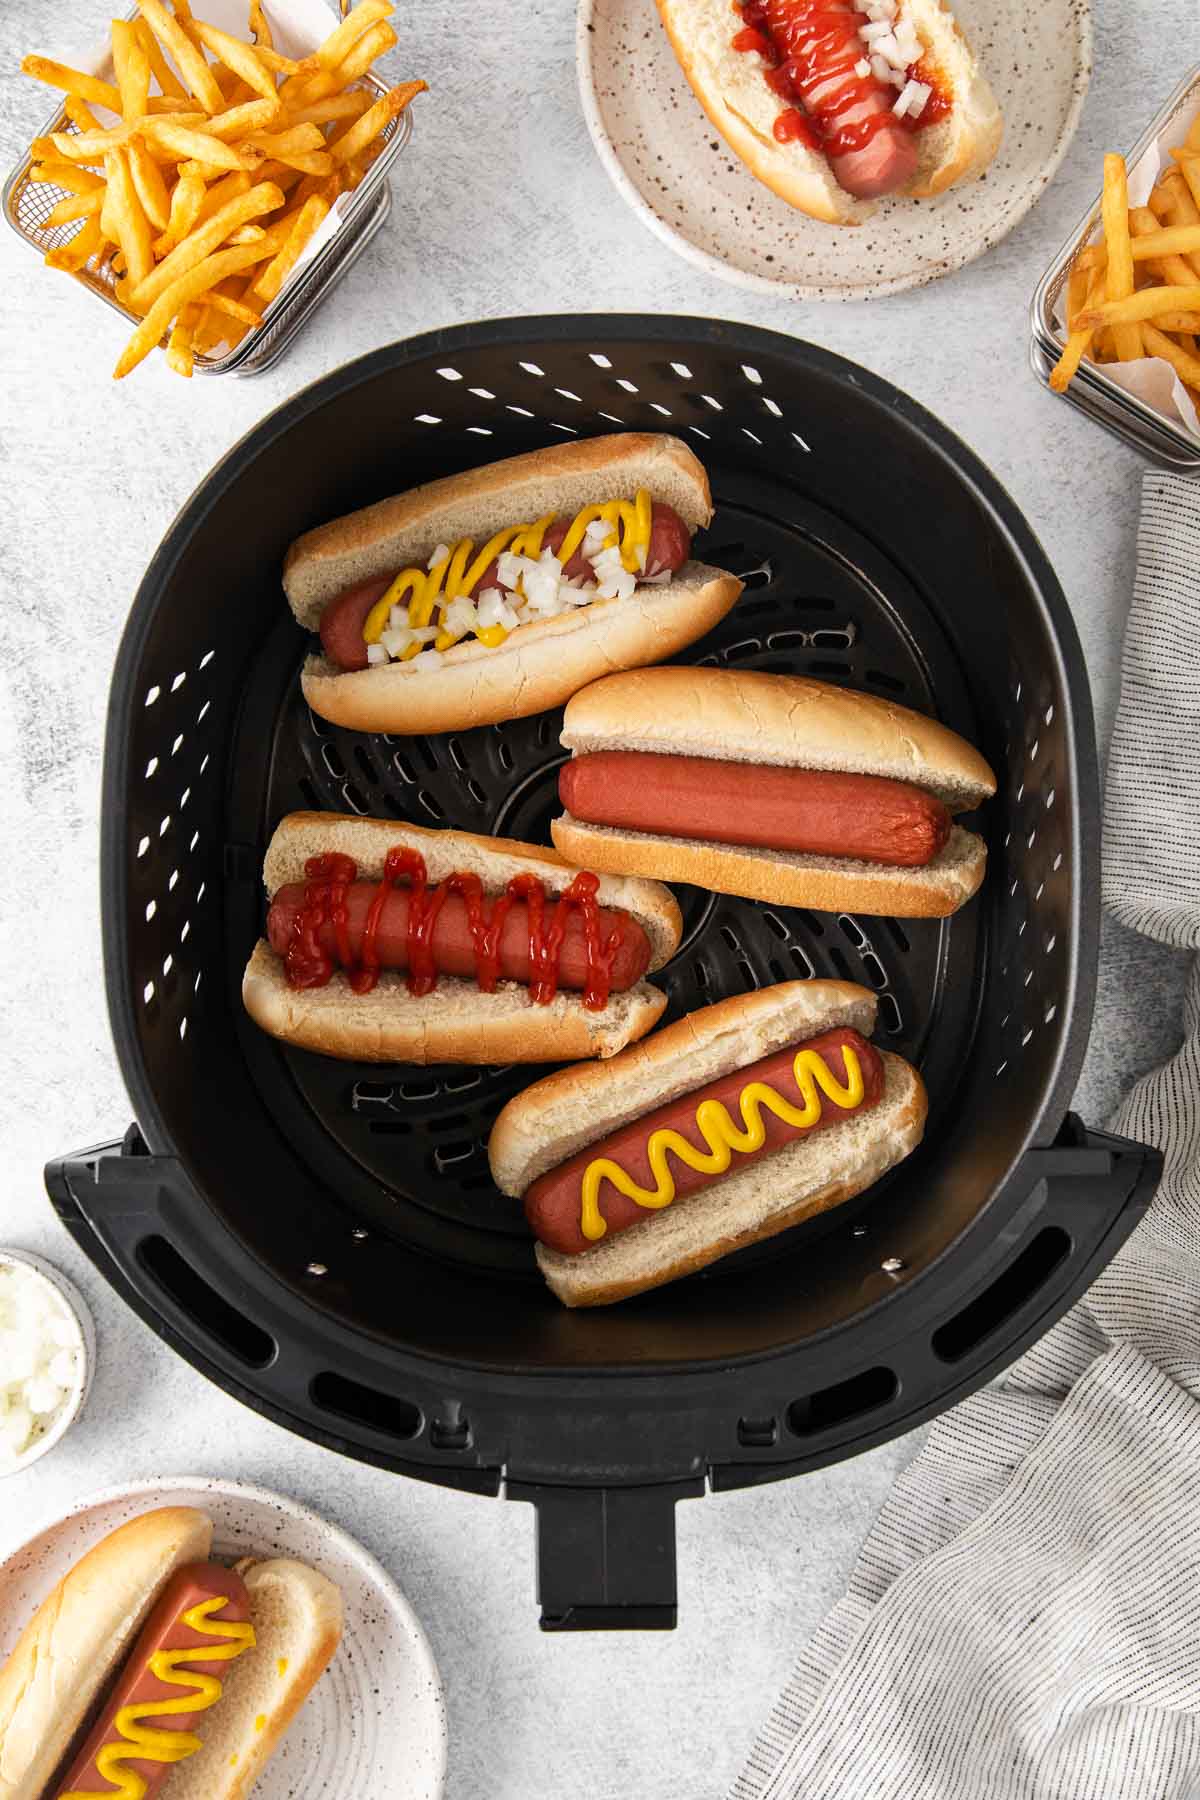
x,y
405,1148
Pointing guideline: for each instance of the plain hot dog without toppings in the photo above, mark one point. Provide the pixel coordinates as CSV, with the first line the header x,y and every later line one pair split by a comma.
x,y
342,621
554,1206
452,943
125,1725
798,810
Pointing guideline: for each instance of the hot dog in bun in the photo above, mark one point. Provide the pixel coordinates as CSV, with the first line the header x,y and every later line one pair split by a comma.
x,y
145,1619
775,787
497,593
732,1125
388,942
835,106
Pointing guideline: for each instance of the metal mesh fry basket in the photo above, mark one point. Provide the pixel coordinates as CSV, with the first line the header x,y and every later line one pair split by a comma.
x,y
324,1239
28,204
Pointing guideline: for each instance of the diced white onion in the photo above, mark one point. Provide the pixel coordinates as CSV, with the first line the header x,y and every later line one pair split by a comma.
x,y
393,643
39,1360
441,554
427,659
398,618
911,48
912,99
594,536
613,580
863,68
880,70
376,654
508,568
876,29
462,615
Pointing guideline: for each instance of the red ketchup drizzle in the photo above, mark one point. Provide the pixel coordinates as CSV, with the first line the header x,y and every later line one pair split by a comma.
x,y
308,965
801,40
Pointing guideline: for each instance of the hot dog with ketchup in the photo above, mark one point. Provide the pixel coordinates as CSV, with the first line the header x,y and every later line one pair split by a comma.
x,y
497,593
389,942
775,787
734,1124
181,1674
837,104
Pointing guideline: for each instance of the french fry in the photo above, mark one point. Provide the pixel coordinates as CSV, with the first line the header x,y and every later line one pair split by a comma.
x,y
203,171
1147,236
72,81
354,140
220,194
131,66
1186,366
75,206
183,142
239,121
233,308
80,114
1181,323
1189,164
280,173
66,175
204,239
183,52
132,228
187,198
78,253
351,29
309,162
1114,210
160,68
282,143
1078,341
1180,206
1134,308
241,58
191,286
267,284
260,29
304,90
149,185
351,105
180,353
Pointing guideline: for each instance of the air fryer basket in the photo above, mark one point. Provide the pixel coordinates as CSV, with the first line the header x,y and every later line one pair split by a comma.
x,y
324,1240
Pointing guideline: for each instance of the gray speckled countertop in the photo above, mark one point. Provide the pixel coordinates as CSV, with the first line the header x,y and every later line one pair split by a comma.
x,y
92,474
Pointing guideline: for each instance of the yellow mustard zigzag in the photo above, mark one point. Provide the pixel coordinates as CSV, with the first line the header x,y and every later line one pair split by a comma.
x,y
722,1136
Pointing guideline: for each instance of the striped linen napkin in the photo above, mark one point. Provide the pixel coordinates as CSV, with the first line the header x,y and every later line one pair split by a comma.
x,y
1023,1622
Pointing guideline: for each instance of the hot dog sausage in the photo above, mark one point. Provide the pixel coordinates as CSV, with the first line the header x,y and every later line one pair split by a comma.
x,y
819,811
109,1752
452,943
870,151
343,619
554,1205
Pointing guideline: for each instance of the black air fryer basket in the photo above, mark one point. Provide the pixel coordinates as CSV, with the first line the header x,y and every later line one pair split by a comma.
x,y
324,1240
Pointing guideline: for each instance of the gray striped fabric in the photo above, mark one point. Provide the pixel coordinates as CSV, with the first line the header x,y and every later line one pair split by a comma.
x,y
1024,1619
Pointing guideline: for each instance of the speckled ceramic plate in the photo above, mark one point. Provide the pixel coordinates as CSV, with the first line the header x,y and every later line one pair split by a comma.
x,y
686,184
374,1724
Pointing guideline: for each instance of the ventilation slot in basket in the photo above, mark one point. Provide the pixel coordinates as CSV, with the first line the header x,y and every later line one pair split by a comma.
x,y
210,1310
358,1404
1022,1279
844,1400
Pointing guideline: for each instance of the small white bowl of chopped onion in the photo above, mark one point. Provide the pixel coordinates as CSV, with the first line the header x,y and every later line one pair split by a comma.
x,y
47,1352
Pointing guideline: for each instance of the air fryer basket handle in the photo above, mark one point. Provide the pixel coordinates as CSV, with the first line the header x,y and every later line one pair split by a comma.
x,y
606,1556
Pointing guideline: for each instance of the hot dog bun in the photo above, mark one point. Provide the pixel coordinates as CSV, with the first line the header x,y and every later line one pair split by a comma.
x,y
729,86
539,665
80,1635
795,722
297,1616
558,1117
457,1023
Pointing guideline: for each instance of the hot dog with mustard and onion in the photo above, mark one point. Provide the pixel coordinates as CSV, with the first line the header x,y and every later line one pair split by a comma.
x,y
775,787
496,593
734,1124
388,942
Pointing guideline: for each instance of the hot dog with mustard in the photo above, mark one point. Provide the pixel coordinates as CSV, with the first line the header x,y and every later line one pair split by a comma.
x,y
732,1125
497,593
